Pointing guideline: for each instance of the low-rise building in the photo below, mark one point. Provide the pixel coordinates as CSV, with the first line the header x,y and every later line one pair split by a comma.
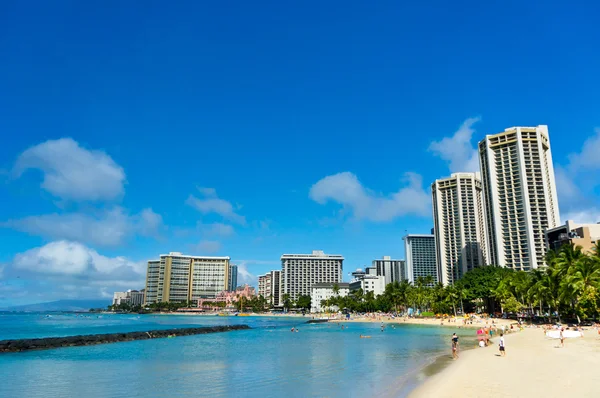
x,y
324,291
583,235
369,283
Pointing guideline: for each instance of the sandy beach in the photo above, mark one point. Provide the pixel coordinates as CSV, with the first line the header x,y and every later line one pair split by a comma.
x,y
458,324
534,366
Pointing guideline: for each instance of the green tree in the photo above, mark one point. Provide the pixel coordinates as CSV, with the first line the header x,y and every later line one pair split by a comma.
x,y
304,302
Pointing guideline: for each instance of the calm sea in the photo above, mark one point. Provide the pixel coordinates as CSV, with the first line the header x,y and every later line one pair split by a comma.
x,y
267,361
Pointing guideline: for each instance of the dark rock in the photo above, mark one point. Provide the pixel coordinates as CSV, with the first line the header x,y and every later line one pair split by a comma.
x,y
93,339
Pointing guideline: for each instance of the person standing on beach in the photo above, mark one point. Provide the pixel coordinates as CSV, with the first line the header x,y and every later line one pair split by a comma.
x,y
502,346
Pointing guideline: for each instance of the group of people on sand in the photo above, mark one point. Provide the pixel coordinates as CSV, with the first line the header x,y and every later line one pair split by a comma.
x,y
484,335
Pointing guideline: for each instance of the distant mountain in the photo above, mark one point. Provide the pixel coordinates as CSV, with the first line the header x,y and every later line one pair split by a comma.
x,y
60,305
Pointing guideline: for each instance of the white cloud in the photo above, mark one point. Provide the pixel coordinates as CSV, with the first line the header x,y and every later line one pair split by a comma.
x,y
104,228
245,276
217,229
577,180
72,259
345,189
584,216
212,204
589,157
65,269
567,190
457,150
208,246
73,172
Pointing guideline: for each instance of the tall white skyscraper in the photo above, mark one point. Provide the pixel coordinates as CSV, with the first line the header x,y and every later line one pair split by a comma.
x,y
459,225
520,195
300,271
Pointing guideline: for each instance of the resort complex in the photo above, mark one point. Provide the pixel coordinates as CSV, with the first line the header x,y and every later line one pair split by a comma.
x,y
505,215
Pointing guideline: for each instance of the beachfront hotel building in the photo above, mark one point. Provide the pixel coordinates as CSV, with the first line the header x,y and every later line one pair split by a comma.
x,y
391,270
519,194
368,283
176,277
299,272
233,274
459,225
325,291
420,257
582,235
131,297
264,285
269,287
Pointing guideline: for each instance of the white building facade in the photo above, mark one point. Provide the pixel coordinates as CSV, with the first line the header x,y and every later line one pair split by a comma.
x,y
459,225
369,283
299,272
420,257
391,270
325,291
269,286
131,297
520,196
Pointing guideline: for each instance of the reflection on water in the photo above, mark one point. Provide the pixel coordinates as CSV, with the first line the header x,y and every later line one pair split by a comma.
x,y
267,361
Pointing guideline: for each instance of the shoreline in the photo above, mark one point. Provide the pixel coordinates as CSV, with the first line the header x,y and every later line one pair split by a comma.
x,y
534,366
428,321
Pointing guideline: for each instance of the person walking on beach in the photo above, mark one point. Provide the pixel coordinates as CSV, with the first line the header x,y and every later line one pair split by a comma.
x,y
502,346
454,346
562,338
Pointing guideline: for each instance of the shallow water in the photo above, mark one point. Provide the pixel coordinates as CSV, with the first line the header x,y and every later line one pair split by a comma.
x,y
321,360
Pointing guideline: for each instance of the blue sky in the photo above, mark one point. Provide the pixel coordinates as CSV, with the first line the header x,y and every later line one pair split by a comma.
x,y
253,129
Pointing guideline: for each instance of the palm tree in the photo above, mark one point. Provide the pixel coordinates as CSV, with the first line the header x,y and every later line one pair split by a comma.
x,y
583,282
370,300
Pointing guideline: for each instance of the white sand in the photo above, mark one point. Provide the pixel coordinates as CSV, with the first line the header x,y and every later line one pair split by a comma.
x,y
534,366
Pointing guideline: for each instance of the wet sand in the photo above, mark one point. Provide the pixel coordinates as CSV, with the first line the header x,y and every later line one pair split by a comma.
x,y
534,366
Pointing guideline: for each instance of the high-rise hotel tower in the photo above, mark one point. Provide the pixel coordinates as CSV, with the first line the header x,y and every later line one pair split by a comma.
x,y
177,277
299,272
458,225
520,195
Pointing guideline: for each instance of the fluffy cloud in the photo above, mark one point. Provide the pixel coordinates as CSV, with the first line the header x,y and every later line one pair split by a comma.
x,y
73,172
244,275
104,228
69,269
216,229
208,246
588,158
457,150
577,180
211,203
345,189
584,216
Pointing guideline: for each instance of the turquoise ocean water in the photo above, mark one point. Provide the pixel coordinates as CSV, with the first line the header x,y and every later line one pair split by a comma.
x,y
321,360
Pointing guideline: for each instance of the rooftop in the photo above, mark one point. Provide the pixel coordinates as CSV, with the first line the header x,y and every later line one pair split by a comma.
x,y
315,254
330,284
179,254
